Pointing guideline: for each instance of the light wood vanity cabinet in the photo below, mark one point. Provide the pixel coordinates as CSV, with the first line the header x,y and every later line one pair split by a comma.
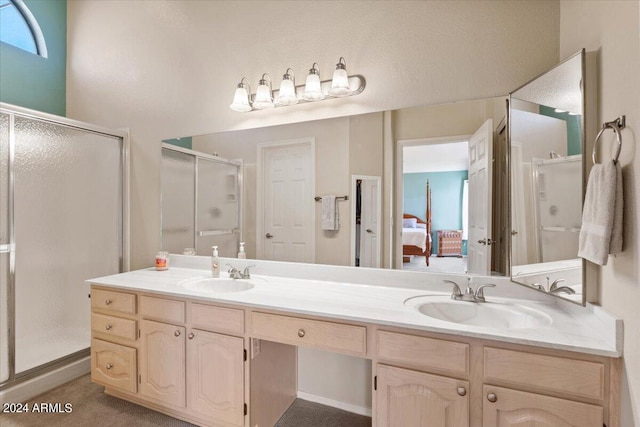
x,y
187,358
411,398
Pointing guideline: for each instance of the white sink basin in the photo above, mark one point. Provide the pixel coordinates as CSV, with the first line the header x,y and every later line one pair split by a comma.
x,y
497,315
217,285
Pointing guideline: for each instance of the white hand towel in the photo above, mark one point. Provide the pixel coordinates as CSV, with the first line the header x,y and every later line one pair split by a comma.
x,y
603,206
330,216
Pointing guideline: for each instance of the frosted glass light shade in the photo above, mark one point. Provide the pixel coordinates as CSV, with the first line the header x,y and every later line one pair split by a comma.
x,y
241,101
340,83
312,89
263,98
287,93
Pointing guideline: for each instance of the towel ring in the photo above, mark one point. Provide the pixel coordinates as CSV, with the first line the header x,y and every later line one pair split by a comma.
x,y
615,125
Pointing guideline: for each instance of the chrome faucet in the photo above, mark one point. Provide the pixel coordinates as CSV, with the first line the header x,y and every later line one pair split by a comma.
x,y
234,273
554,286
469,294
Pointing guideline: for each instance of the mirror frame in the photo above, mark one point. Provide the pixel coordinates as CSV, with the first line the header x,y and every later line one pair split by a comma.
x,y
584,128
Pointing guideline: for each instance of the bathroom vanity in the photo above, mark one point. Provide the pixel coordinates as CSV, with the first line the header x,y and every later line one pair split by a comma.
x,y
216,353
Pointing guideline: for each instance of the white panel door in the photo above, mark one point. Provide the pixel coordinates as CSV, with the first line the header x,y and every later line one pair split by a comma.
x,y
480,177
370,223
287,201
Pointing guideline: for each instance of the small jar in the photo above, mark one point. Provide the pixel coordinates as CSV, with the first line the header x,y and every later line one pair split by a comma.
x,y
162,260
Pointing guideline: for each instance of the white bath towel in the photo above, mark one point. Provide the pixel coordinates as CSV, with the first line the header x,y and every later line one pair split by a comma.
x,y
330,216
601,232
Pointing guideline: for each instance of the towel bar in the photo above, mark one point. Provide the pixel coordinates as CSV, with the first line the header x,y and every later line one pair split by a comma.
x,y
616,125
317,198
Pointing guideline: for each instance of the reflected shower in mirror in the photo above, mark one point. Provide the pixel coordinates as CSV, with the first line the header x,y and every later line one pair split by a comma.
x,y
547,146
281,219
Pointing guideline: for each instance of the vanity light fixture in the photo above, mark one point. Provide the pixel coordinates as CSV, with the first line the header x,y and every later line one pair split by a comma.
x,y
287,94
241,101
340,82
313,90
264,97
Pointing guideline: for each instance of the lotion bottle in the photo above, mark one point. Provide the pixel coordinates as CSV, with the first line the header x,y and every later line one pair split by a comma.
x,y
241,253
215,263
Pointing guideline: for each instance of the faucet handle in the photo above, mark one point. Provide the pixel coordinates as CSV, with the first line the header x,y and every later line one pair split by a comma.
x,y
479,295
457,293
231,268
246,272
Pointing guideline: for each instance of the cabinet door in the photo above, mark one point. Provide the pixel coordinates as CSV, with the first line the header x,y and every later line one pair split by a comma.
x,y
215,376
408,398
162,362
504,407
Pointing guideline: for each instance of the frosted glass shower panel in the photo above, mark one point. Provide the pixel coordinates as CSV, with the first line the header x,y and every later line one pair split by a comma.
x,y
178,201
4,247
217,207
68,228
558,207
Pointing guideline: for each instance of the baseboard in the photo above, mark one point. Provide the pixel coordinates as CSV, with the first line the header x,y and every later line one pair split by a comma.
x,y
45,382
360,410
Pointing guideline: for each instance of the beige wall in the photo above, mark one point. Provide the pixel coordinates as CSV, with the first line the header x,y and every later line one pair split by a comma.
x,y
612,29
169,68
343,146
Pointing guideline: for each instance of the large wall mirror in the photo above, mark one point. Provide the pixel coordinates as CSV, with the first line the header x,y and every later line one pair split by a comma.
x,y
439,173
547,147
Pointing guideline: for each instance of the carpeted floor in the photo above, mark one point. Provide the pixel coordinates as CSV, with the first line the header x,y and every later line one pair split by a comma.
x,y
437,264
91,407
303,413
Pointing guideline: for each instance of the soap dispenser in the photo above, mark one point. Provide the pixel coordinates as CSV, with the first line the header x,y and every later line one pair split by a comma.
x,y
215,263
241,253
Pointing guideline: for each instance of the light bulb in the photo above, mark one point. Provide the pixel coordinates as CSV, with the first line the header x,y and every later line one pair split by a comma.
x,y
287,94
263,98
241,100
312,87
340,81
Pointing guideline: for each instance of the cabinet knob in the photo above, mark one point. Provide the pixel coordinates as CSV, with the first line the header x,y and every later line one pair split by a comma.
x,y
107,302
301,333
491,397
191,335
177,333
108,327
462,391
109,366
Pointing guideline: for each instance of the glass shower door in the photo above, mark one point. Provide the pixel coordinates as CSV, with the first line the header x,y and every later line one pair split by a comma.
x,y
68,228
178,201
4,247
218,207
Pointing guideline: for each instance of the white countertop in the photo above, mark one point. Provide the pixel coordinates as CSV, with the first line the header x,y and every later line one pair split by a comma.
x,y
582,329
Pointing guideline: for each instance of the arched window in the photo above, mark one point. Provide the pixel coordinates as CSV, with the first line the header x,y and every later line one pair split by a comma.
x,y
18,27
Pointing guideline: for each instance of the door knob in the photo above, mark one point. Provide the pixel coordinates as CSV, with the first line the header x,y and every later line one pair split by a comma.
x,y
482,241
369,230
514,232
268,235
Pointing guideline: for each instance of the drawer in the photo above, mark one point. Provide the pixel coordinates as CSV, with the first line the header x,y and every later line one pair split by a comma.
x,y
577,377
217,319
167,310
112,301
113,326
113,365
427,353
319,334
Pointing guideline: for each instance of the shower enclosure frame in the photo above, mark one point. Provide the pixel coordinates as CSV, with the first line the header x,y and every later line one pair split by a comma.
x,y
14,111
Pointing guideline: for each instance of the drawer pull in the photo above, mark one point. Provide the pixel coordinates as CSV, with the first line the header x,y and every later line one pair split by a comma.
x,y
301,333
108,301
108,327
177,333
109,366
191,335
462,391
491,397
